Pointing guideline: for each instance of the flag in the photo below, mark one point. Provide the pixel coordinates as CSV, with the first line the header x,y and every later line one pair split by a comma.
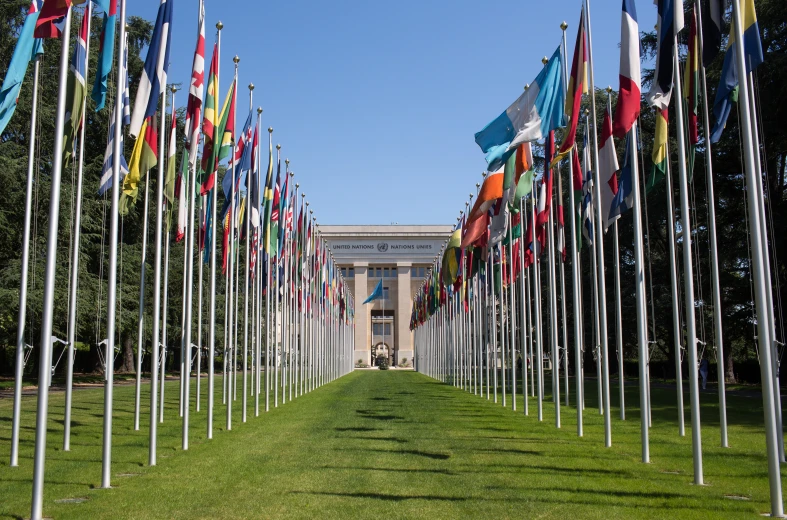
x,y
227,119
169,181
607,168
475,233
268,200
524,187
52,12
242,161
254,182
577,85
275,207
531,117
691,77
210,119
587,193
196,89
106,55
143,158
124,74
712,25
659,153
491,191
451,258
545,194
499,224
624,199
727,91
154,74
109,161
377,294
75,89
218,131
561,234
627,109
182,194
26,49
670,22
524,170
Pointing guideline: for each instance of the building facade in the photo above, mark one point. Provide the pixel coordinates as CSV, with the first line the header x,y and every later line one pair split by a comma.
x,y
399,257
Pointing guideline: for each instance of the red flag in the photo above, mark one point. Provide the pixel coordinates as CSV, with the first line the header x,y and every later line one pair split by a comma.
x,y
51,13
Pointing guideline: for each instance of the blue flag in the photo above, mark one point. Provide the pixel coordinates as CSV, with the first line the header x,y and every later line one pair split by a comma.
x,y
624,198
377,294
26,49
106,54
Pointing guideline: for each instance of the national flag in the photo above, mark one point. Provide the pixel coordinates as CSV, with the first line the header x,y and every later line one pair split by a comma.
x,y
670,22
524,170
75,88
228,124
106,55
254,182
377,293
691,77
524,187
476,233
143,158
218,132
196,89
275,206
109,160
154,74
624,199
124,74
210,116
268,201
491,191
587,193
531,117
451,258
545,194
499,224
577,86
627,109
182,194
659,153
607,168
561,234
169,182
242,162
26,49
712,26
52,13
727,91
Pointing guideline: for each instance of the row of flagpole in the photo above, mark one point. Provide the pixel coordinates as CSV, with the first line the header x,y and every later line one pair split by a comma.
x,y
464,322
303,330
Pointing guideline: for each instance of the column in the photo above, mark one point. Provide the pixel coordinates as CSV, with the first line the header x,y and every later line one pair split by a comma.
x,y
361,292
404,307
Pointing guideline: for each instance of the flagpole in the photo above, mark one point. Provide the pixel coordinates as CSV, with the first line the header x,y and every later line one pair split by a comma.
x,y
537,298
714,256
247,214
524,331
187,192
511,310
164,306
599,247
553,309
232,316
691,328
141,315
754,199
618,304
49,282
212,311
72,298
258,272
20,330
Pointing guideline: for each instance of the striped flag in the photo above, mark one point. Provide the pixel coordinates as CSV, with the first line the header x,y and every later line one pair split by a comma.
x,y
196,89
627,110
106,55
182,194
169,182
659,153
577,85
26,49
712,25
124,74
607,168
691,78
254,182
154,74
109,161
670,22
587,191
75,88
143,158
624,198
51,14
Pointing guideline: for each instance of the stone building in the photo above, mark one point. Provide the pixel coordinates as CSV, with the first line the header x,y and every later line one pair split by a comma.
x,y
400,256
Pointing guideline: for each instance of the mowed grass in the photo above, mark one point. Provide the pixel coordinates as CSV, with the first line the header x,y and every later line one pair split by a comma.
x,y
393,444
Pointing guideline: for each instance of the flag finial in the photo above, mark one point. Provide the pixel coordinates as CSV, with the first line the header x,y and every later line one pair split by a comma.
x,y
236,59
259,110
564,26
251,86
278,146
270,129
609,90
173,89
544,60
219,25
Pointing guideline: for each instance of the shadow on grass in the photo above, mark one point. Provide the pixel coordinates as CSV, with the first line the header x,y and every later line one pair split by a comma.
x,y
357,429
382,496
393,470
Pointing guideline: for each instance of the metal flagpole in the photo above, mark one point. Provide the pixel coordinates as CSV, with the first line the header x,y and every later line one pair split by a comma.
x,y
164,302
258,273
72,297
200,263
754,198
553,313
524,331
493,332
232,334
246,287
512,310
599,246
141,318
191,192
714,257
20,330
675,291
503,335
212,305
575,273
539,367
618,304
688,269
49,282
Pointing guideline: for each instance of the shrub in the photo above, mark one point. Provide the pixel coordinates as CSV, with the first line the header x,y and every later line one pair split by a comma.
x,y
382,363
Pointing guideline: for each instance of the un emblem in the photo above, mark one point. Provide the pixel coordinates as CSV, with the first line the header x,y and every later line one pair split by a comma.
x,y
382,247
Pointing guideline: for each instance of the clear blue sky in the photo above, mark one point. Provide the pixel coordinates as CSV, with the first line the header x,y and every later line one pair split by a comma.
x,y
376,103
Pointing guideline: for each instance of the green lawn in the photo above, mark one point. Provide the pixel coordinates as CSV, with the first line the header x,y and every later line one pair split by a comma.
x,y
391,445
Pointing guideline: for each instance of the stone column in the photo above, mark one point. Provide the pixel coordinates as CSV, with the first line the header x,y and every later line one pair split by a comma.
x,y
404,307
360,293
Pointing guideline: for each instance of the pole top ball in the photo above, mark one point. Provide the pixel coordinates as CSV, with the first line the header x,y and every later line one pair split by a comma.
x,y
483,174
219,25
298,185
544,60
286,161
278,146
477,185
259,110
251,86
609,90
303,195
564,26
173,89
236,59
587,112
292,174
